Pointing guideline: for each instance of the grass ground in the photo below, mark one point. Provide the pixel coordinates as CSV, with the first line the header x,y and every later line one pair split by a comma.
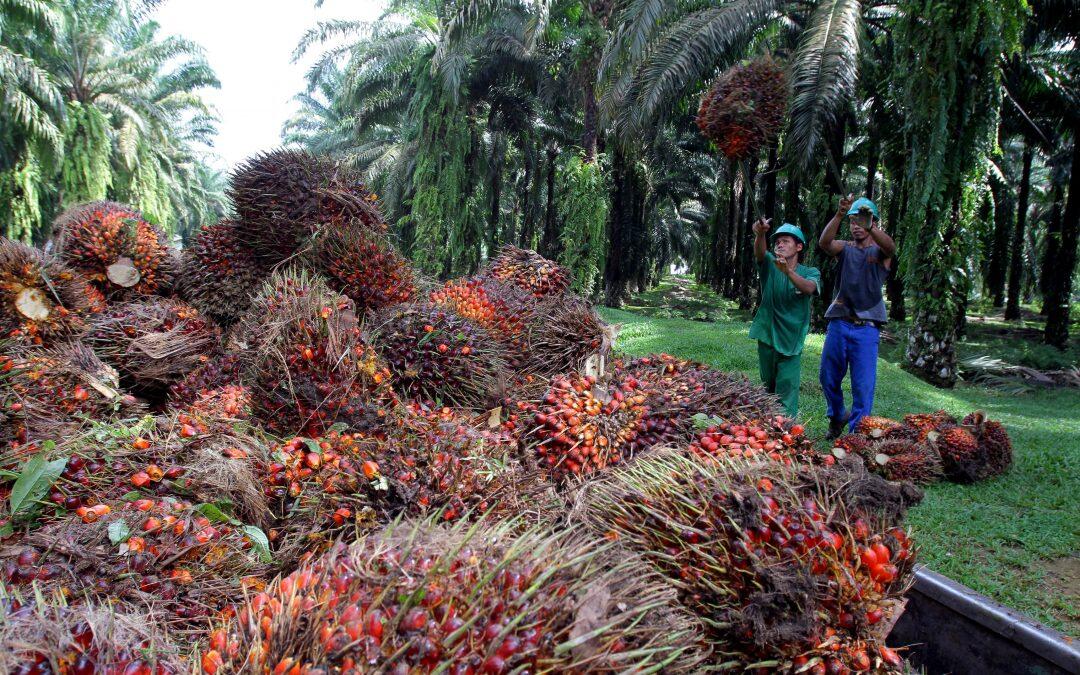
x,y
1015,538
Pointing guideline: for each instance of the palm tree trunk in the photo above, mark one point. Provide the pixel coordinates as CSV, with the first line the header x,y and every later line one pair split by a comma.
x,y
768,207
1057,315
1053,246
549,244
589,135
1004,213
1016,264
747,287
894,285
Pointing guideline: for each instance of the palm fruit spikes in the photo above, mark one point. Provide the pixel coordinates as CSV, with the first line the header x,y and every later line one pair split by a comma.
x,y
361,265
994,444
417,598
42,634
284,196
581,426
305,360
529,271
217,372
116,249
219,273
436,355
153,342
42,301
783,568
564,335
744,108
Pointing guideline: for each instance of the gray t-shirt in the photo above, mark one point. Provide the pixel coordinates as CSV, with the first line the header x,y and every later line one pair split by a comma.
x,y
861,275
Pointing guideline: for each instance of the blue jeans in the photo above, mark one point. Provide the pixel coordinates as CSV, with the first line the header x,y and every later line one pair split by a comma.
x,y
855,347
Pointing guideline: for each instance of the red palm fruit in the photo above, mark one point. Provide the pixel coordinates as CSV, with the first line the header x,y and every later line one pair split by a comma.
x,y
499,308
455,361
927,423
153,342
120,253
219,273
363,266
994,444
960,454
854,444
875,427
42,301
419,598
774,556
219,371
529,271
904,460
744,108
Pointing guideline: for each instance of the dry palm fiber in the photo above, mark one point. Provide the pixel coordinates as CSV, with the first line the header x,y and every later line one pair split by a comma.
x,y
436,355
42,633
153,343
42,301
744,108
565,332
51,394
221,370
219,273
420,598
282,197
159,553
305,361
780,564
362,265
677,390
529,271
116,249
994,444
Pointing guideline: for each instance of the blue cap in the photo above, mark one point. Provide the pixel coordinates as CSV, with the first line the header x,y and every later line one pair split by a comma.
x,y
863,203
790,230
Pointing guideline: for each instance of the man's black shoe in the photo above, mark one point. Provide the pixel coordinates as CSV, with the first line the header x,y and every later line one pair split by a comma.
x,y
836,425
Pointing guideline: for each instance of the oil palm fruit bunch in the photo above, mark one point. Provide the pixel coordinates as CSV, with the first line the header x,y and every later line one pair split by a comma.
x,y
162,553
677,390
42,301
305,361
901,459
491,306
994,444
961,457
219,273
876,427
565,332
436,355
778,439
52,393
419,598
780,567
529,271
581,426
220,370
153,342
363,266
42,634
282,197
744,108
853,444
927,423
120,253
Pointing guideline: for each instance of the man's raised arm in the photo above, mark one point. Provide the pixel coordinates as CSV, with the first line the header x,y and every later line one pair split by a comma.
x,y
828,241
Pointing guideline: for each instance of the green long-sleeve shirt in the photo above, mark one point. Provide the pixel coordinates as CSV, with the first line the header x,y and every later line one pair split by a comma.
x,y
783,318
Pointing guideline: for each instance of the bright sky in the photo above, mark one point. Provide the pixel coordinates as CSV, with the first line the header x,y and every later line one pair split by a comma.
x,y
249,43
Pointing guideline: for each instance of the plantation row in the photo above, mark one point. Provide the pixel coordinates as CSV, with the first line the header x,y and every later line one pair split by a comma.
x,y
285,450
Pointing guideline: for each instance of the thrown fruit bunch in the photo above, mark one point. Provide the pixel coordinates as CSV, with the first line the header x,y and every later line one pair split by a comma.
x,y
744,109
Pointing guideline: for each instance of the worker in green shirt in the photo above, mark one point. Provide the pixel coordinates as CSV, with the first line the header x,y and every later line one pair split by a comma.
x,y
783,317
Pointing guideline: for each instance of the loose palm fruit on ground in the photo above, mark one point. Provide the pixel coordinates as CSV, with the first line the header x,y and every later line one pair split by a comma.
x,y
528,270
219,273
120,253
417,598
42,301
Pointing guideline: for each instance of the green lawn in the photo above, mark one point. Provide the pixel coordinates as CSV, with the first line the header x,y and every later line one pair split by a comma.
x,y
999,537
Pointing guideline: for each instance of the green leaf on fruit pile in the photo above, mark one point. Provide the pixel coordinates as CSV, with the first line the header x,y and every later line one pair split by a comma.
x,y
119,532
35,480
425,337
703,421
259,541
215,513
313,446
131,496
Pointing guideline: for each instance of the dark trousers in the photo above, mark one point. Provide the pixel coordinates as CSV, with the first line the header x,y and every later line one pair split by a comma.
x,y
854,348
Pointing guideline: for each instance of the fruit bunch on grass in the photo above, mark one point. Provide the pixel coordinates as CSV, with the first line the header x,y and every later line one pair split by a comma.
x,y
744,108
779,439
581,426
50,394
529,271
187,562
284,196
783,570
361,265
900,455
42,634
564,334
42,301
994,444
493,306
219,371
116,249
153,343
219,273
305,361
438,356
678,391
418,598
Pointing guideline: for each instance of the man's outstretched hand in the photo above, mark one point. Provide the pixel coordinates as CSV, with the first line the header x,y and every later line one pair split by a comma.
x,y
845,204
762,225
782,264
